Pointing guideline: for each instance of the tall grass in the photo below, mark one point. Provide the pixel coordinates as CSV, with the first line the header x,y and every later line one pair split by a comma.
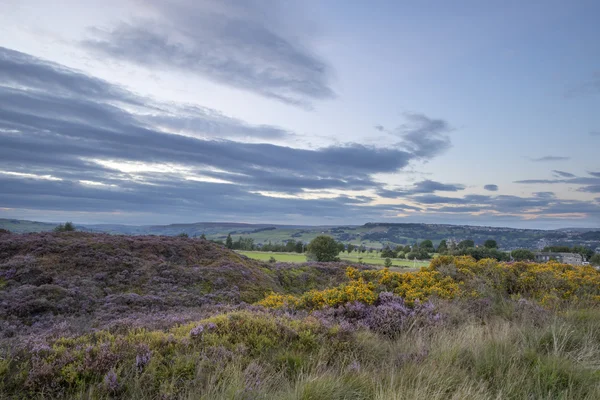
x,y
507,354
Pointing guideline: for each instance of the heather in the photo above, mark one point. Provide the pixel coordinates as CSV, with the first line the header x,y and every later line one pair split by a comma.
x,y
75,281
459,329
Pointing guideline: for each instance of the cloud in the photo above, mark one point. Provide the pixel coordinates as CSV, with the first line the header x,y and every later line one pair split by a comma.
x,y
544,195
426,186
550,158
595,133
590,189
426,137
135,160
491,188
562,174
596,174
380,128
248,45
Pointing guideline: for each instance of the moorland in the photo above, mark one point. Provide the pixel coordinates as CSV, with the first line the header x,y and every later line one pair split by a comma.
x,y
88,315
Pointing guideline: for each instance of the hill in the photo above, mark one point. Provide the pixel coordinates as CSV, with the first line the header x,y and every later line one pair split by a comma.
x,y
83,279
372,235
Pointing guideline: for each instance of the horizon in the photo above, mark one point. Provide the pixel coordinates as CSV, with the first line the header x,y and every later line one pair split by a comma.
x,y
298,225
300,113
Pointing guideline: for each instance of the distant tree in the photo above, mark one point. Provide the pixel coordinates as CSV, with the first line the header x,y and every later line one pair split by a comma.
x,y
585,252
229,242
66,227
523,255
290,246
407,249
4,232
466,244
272,259
427,245
388,253
418,254
341,247
595,260
183,235
203,236
387,263
442,247
299,247
350,248
323,248
490,244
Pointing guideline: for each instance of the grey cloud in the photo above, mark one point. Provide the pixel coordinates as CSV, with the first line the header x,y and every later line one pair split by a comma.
x,y
562,174
590,189
595,133
380,128
228,42
596,174
426,137
550,158
491,188
426,186
61,133
544,195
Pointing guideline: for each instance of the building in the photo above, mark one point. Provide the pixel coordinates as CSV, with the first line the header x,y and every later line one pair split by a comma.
x,y
565,258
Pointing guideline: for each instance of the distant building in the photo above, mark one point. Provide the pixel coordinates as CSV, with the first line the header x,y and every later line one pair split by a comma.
x,y
565,258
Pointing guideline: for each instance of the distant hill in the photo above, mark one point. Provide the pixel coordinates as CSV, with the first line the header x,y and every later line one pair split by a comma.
x,y
23,226
372,235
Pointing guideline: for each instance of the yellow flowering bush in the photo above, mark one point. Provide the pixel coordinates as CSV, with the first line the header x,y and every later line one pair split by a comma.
x,y
449,277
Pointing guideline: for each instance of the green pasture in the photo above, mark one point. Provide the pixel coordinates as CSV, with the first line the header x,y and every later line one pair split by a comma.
x,y
300,258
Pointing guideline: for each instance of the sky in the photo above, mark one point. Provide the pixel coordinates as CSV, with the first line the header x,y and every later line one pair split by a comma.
x,y
301,112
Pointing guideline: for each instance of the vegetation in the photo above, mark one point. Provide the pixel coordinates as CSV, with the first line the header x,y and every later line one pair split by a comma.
x,y
323,248
66,227
522,255
97,317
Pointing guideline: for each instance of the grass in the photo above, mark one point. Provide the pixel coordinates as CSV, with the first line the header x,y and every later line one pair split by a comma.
x,y
353,257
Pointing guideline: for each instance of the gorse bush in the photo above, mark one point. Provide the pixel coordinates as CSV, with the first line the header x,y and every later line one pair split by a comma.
x,y
451,277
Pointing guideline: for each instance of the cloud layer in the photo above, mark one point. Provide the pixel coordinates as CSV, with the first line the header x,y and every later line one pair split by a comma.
x,y
244,44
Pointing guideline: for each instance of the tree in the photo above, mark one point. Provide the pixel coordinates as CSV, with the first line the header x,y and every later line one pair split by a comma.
x,y
203,236
350,248
388,253
387,263
299,247
490,244
523,255
466,244
323,248
595,260
66,227
427,245
229,242
443,247
183,235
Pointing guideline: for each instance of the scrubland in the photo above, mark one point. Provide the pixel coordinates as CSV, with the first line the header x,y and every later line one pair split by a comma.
x,y
97,316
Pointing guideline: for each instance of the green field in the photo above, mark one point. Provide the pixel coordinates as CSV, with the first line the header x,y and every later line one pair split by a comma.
x,y
300,258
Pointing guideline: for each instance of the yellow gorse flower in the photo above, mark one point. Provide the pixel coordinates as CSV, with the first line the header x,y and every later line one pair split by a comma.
x,y
449,277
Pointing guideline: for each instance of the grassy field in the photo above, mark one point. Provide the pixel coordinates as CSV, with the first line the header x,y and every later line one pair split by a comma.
x,y
300,258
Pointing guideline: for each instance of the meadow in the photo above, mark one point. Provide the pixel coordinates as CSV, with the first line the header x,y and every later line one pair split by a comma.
x,y
88,316
365,258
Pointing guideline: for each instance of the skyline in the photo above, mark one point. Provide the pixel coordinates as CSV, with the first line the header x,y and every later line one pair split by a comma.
x,y
148,112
